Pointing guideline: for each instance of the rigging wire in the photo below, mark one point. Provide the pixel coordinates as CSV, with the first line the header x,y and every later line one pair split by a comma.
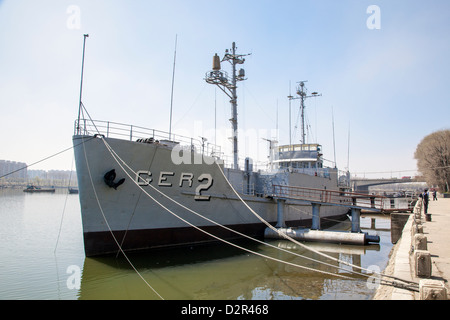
x,y
295,207
173,81
64,209
44,159
135,206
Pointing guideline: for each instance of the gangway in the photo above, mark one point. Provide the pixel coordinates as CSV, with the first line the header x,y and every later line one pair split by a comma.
x,y
318,197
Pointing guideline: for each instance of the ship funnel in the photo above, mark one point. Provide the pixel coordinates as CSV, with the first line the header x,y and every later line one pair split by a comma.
x,y
216,63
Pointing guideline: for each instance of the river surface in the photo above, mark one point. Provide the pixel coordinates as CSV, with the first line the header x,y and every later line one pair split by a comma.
x,y
42,257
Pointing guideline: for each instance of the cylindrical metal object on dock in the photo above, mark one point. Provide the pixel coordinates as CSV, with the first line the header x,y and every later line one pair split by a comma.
x,y
321,236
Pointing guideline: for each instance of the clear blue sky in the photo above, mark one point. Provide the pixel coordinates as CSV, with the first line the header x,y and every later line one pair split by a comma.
x,y
388,85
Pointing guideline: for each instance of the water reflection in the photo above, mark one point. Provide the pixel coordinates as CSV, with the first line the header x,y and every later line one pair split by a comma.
x,y
224,272
42,236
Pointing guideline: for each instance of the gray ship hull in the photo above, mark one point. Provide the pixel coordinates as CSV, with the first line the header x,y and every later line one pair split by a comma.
x,y
140,217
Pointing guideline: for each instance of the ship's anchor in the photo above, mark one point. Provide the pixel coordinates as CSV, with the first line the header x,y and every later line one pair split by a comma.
x,y
109,178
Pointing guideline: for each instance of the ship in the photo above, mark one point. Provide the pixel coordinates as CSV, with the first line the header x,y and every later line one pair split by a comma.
x,y
72,190
36,189
143,189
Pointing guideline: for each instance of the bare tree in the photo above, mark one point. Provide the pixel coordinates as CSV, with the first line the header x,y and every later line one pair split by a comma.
x,y
433,159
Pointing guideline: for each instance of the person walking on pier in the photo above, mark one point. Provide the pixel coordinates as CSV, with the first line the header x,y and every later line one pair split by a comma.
x,y
434,195
425,198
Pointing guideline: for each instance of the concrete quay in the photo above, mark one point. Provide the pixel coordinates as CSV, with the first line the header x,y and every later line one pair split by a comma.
x,y
423,239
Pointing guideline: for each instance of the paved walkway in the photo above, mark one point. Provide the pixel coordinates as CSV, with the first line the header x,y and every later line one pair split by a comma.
x,y
401,263
437,232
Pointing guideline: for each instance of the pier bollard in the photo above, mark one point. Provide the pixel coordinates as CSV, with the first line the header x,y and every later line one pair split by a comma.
x,y
420,242
432,290
418,218
423,263
418,229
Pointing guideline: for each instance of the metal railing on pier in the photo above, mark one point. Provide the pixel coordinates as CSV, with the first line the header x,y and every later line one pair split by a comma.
x,y
323,196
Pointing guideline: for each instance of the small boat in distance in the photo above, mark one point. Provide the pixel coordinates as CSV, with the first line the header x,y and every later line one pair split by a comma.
x,y
73,190
34,189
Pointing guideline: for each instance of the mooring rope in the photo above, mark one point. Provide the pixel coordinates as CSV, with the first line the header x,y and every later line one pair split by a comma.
x,y
117,158
261,219
135,206
210,234
287,237
110,230
393,283
220,225
295,207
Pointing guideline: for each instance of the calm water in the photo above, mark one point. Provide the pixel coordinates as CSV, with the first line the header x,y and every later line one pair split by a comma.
x,y
37,264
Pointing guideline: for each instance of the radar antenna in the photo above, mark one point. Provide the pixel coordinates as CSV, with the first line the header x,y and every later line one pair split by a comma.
x,y
303,95
228,85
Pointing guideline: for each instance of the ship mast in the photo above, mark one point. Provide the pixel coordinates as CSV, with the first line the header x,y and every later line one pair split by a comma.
x,y
227,85
81,85
302,95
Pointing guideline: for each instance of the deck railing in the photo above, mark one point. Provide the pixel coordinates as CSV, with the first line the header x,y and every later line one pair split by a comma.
x,y
324,196
129,132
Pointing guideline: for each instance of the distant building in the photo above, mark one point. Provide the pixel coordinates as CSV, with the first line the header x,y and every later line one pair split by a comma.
x,y
53,177
12,170
17,173
41,174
